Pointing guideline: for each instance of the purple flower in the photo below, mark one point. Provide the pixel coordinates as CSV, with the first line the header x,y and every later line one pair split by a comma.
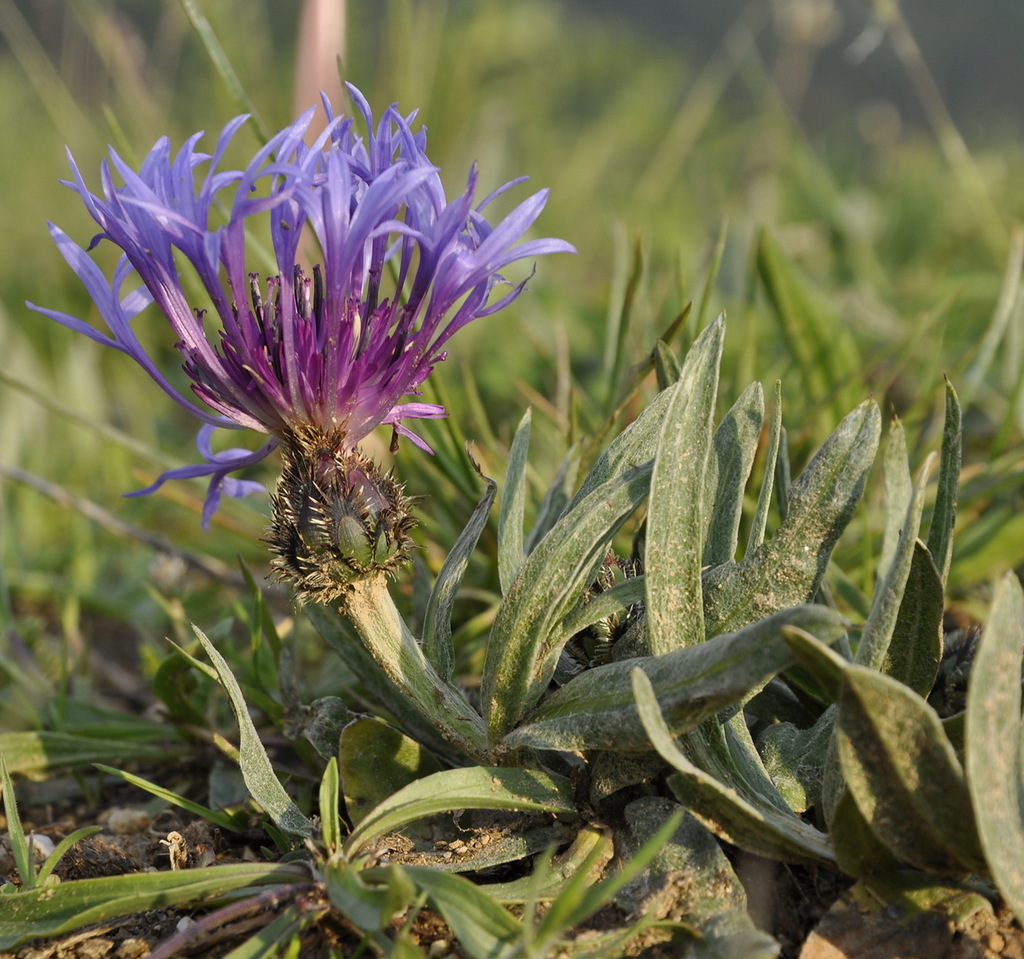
x,y
320,357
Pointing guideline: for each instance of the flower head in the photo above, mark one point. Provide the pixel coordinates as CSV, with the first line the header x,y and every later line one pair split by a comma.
x,y
316,358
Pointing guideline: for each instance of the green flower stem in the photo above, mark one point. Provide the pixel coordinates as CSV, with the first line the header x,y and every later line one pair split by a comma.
x,y
371,610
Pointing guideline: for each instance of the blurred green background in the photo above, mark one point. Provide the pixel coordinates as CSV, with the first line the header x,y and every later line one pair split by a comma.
x,y
839,177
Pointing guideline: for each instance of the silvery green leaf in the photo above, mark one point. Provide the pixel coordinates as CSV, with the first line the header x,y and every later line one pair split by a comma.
x,y
764,498
940,533
761,829
523,649
897,764
724,749
903,774
256,767
993,742
885,604
787,569
899,486
596,710
513,506
472,787
732,457
437,619
611,602
859,851
675,511
794,758
711,899
915,652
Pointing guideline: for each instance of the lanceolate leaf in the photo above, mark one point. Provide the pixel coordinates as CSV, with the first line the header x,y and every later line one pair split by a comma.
x,y
522,653
993,742
437,621
787,569
899,486
764,498
52,910
763,829
916,648
904,775
728,470
712,899
258,773
675,512
513,505
556,498
596,710
474,787
940,534
885,604
666,365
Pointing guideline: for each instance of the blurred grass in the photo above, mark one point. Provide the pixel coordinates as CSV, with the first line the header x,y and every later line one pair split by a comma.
x,y
856,260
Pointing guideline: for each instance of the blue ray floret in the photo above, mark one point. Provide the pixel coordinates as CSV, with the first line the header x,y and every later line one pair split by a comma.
x,y
316,358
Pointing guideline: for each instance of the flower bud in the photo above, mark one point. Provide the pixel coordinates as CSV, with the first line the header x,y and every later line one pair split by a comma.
x,y
336,518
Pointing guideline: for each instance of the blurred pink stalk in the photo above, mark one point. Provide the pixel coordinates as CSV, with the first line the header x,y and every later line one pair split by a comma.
x,y
321,45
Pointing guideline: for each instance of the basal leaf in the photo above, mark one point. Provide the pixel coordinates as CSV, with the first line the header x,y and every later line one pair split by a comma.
x,y
711,898
597,710
513,506
522,649
259,775
376,760
904,775
473,787
635,445
53,910
675,511
899,486
764,830
764,498
437,619
993,742
940,533
787,569
889,591
732,457
915,652
556,498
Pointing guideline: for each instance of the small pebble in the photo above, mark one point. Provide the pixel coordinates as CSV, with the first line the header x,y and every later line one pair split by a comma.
x,y
128,822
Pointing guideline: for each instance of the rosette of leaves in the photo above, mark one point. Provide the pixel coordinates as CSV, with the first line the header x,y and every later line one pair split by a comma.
x,y
706,632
